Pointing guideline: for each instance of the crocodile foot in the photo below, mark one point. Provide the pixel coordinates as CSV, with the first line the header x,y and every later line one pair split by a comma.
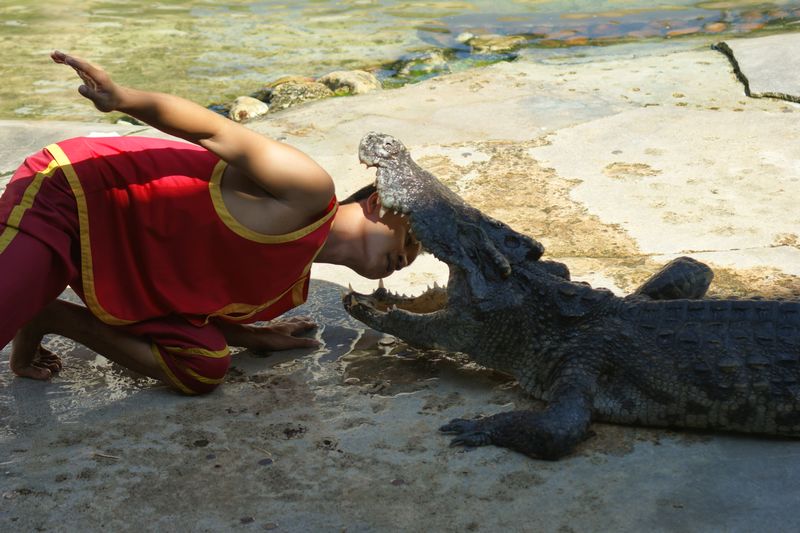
x,y
547,434
468,432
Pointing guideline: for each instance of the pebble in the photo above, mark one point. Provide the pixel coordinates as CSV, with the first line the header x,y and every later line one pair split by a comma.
x,y
387,341
352,381
246,108
265,462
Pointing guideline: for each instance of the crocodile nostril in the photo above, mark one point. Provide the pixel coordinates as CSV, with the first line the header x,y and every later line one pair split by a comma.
x,y
512,242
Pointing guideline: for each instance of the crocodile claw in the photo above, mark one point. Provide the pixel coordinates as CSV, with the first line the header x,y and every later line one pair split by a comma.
x,y
468,432
459,425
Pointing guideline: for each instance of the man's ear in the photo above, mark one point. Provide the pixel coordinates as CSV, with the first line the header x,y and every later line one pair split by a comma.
x,y
373,203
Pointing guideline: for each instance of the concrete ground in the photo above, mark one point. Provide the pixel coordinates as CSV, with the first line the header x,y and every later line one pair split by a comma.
x,y
617,162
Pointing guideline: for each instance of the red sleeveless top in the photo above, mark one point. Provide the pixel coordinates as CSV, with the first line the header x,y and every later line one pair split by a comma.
x,y
156,238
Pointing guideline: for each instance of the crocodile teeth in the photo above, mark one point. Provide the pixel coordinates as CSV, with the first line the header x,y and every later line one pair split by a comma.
x,y
380,284
383,211
353,301
393,307
350,286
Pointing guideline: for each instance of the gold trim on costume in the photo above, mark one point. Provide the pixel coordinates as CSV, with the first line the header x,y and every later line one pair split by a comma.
x,y
235,226
198,377
87,271
297,292
172,377
15,215
213,354
245,311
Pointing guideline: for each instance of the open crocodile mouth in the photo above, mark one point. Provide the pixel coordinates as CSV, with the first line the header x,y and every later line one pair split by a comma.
x,y
477,249
382,302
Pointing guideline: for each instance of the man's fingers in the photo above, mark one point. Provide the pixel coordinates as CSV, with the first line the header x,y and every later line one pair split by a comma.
x,y
84,69
302,342
293,325
301,327
58,56
277,342
87,80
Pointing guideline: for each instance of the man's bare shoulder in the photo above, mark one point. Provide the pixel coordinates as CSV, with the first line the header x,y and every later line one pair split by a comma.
x,y
259,211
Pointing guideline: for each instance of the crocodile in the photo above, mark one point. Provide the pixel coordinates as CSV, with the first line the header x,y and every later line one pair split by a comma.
x,y
664,356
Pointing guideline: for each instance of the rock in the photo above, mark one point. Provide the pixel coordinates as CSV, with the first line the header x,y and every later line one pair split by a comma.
x,y
351,81
465,37
265,93
289,79
422,64
493,44
246,108
715,27
292,93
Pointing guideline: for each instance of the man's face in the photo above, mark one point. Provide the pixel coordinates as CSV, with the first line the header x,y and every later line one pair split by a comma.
x,y
388,244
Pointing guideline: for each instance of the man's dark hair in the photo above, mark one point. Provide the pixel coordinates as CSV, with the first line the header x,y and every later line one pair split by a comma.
x,y
360,194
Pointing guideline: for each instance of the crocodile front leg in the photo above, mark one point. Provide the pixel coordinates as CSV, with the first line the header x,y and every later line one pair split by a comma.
x,y
682,277
548,434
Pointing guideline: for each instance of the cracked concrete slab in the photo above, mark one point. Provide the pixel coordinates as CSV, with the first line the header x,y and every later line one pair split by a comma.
x,y
769,67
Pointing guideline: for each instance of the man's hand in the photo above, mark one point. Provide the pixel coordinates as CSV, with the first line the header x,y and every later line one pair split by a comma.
x,y
278,335
97,84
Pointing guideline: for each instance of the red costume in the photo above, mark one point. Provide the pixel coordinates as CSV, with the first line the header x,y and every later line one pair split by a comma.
x,y
138,228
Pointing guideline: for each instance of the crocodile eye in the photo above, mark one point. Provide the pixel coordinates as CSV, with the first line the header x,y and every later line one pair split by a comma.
x,y
512,242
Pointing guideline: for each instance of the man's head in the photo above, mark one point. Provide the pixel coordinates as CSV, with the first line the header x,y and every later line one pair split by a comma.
x,y
385,236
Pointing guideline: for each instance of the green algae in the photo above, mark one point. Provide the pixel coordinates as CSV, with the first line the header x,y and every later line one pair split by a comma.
x,y
212,52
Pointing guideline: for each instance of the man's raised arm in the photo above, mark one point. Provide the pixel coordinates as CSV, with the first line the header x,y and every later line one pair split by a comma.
x,y
283,171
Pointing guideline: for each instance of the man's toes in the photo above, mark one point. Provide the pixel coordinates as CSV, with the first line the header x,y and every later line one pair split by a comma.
x,y
33,372
53,365
48,359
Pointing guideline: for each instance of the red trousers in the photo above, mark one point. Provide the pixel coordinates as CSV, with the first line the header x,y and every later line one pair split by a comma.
x,y
39,258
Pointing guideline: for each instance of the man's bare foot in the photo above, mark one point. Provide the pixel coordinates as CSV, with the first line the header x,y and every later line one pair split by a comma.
x,y
29,358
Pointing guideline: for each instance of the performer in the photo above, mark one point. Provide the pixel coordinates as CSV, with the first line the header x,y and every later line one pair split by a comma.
x,y
174,247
